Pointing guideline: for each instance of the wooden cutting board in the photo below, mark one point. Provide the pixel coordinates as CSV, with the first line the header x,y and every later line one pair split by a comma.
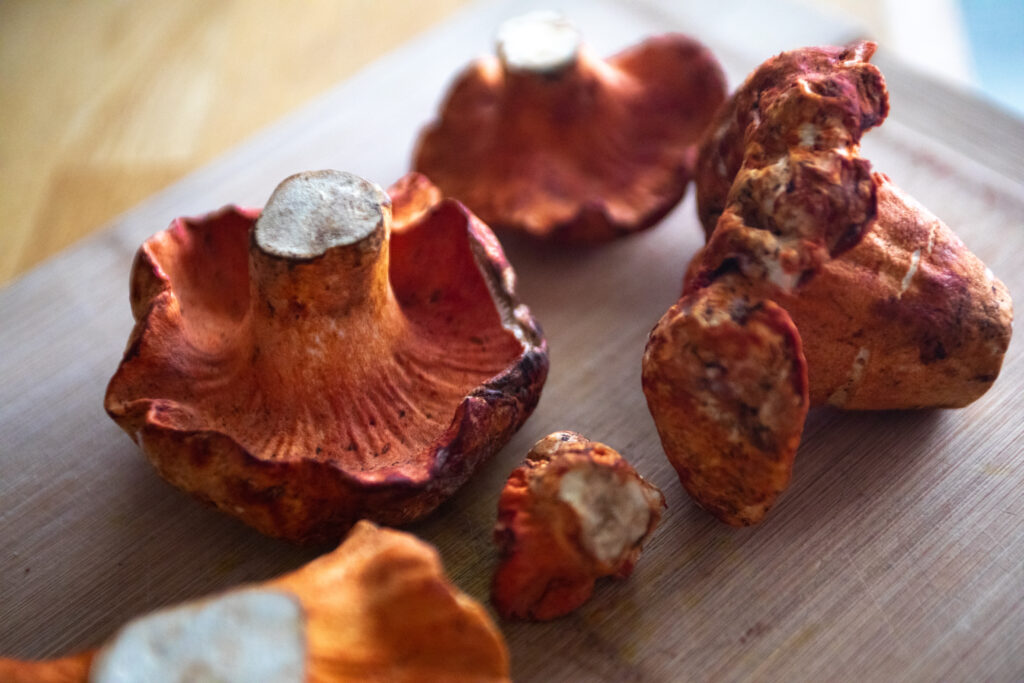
x,y
897,552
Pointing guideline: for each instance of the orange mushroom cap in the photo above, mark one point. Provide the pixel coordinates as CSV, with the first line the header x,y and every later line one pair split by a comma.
x,y
379,607
574,512
890,308
550,140
321,363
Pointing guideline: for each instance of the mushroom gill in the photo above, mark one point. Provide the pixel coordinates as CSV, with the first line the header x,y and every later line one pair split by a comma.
x,y
313,366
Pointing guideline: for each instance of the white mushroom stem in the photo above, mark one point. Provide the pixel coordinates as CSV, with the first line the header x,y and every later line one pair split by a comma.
x,y
542,42
320,247
249,635
312,212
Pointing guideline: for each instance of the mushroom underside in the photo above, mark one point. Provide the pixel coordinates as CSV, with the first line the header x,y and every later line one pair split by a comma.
x,y
370,417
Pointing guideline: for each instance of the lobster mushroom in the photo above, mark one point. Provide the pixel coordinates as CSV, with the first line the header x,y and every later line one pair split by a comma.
x,y
322,362
858,286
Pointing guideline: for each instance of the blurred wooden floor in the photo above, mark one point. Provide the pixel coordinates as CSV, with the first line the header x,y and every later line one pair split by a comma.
x,y
103,102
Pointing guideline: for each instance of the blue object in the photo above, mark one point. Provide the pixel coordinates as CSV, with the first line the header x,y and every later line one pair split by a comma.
x,y
995,31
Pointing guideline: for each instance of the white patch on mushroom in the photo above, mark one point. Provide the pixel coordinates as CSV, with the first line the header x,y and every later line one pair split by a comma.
x,y
808,134
553,442
841,395
521,312
501,288
248,635
542,41
723,127
776,176
778,276
915,259
931,238
312,212
845,151
713,318
508,279
712,409
613,514
989,275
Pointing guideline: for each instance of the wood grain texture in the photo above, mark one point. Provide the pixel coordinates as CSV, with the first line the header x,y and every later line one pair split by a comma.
x,y
106,102
895,554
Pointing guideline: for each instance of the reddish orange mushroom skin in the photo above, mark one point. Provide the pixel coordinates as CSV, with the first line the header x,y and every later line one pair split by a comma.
x,y
300,386
574,512
575,148
72,669
726,383
891,310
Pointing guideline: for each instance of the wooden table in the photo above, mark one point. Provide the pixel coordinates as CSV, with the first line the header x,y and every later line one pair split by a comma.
x,y
896,553
105,103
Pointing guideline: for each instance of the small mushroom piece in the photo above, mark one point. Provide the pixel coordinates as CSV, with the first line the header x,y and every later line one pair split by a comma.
x,y
574,512
549,140
377,608
891,310
726,383
319,363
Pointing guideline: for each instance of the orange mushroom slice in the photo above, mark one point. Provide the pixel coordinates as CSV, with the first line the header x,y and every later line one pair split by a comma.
x,y
574,512
549,140
726,382
891,309
320,363
379,607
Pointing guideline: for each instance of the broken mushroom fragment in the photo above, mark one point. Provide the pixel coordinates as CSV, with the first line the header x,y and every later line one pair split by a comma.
x,y
550,140
726,383
319,363
574,512
378,608
891,310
